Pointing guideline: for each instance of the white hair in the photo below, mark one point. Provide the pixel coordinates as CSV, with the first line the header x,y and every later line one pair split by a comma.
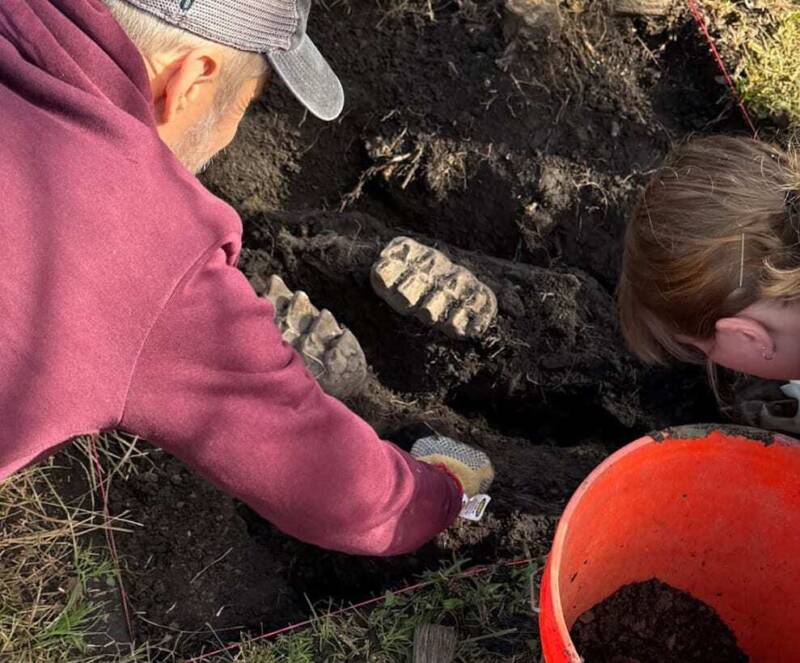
x,y
151,36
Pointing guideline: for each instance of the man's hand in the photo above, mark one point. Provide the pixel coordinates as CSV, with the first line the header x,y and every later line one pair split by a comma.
x,y
769,405
471,466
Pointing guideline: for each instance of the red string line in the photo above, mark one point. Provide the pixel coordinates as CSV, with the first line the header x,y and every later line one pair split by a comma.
x,y
110,541
474,571
701,23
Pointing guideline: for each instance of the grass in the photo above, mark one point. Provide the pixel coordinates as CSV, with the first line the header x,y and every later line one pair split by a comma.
x,y
771,84
491,613
47,573
759,40
57,580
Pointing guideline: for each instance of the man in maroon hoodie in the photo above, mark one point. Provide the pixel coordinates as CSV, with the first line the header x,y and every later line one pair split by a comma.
x,y
120,303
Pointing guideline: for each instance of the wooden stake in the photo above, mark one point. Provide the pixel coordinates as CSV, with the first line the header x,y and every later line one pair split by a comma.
x,y
434,644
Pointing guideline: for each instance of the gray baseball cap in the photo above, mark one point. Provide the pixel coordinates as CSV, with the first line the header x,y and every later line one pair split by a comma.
x,y
276,28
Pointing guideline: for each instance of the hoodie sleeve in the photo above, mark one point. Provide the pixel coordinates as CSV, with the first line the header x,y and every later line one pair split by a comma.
x,y
216,386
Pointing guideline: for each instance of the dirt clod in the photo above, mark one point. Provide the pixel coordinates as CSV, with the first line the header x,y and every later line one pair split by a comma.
x,y
651,621
532,19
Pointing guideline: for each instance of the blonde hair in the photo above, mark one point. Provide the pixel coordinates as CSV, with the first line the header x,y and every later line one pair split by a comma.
x,y
716,229
151,35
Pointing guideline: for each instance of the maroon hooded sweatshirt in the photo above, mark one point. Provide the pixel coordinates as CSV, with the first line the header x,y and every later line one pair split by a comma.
x,y
121,306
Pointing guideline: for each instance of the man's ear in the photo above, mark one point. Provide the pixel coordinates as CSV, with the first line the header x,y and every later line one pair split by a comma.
x,y
186,80
743,336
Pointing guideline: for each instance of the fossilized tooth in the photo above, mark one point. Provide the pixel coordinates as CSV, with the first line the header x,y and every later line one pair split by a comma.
x,y
418,280
277,291
301,313
331,352
281,298
344,357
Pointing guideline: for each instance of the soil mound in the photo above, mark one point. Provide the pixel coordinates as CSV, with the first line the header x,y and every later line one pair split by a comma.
x,y
651,621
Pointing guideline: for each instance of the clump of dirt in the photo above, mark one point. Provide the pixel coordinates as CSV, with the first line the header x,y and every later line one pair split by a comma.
x,y
651,621
515,144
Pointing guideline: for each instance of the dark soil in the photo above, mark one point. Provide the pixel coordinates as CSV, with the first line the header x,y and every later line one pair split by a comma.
x,y
651,622
517,148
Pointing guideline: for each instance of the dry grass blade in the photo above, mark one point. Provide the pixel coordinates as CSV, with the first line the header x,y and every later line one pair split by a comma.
x,y
420,10
55,581
45,572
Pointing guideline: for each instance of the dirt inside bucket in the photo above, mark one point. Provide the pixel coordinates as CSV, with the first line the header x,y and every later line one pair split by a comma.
x,y
651,622
516,144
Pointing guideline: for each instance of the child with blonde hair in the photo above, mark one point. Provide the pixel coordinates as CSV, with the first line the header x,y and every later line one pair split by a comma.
x,y
711,270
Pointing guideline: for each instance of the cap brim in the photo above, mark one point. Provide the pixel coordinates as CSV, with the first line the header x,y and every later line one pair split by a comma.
x,y
308,75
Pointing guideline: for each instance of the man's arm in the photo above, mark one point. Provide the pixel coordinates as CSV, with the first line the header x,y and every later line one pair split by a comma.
x,y
216,386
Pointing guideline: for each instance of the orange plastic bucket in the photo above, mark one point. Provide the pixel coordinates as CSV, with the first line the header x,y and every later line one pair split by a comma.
x,y
711,510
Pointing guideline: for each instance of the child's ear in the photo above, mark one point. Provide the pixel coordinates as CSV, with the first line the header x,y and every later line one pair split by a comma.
x,y
743,337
